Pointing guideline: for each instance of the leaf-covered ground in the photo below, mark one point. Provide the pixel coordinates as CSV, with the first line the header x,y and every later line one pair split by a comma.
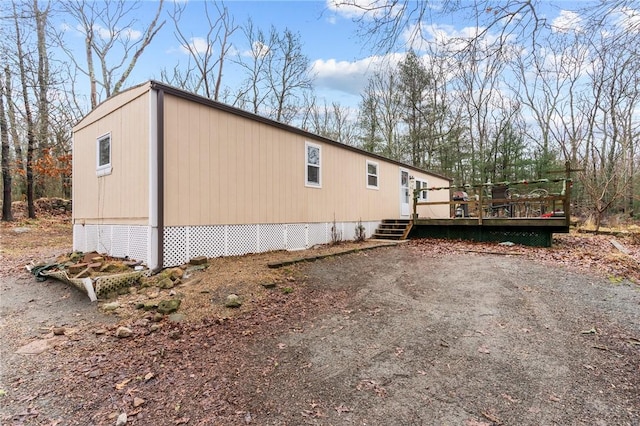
x,y
440,331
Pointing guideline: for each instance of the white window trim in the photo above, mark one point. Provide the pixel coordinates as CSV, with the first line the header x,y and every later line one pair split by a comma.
x,y
105,169
377,175
423,184
306,165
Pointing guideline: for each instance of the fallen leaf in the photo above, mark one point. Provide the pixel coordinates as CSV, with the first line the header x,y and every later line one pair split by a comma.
x,y
122,384
510,398
484,350
343,409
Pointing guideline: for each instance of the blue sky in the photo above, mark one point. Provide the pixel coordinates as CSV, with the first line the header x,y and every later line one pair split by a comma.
x,y
340,60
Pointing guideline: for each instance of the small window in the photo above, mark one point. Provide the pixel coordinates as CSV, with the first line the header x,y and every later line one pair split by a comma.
x,y
313,174
372,175
103,151
422,195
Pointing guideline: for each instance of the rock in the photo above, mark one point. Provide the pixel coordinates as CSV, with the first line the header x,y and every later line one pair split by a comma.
x,y
143,322
138,402
94,373
123,332
75,256
154,327
111,306
176,273
175,334
122,419
100,331
113,267
200,260
149,306
59,331
168,306
233,301
176,317
269,285
157,317
166,283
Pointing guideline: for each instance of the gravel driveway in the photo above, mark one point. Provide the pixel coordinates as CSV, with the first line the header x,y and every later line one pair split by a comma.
x,y
393,336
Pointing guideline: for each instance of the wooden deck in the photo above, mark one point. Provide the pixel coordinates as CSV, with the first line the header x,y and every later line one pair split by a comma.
x,y
525,216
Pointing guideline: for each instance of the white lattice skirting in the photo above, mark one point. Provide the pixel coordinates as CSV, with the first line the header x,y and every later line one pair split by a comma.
x,y
115,240
182,243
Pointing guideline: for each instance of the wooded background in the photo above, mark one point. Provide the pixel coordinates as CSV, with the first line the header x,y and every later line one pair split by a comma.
x,y
513,99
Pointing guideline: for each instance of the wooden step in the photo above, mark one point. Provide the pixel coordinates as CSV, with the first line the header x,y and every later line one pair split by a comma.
x,y
393,229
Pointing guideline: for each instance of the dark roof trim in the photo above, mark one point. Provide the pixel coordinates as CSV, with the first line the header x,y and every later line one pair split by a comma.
x,y
156,85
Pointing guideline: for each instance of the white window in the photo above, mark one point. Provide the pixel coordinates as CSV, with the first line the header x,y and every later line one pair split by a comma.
x,y
103,155
422,195
313,172
372,175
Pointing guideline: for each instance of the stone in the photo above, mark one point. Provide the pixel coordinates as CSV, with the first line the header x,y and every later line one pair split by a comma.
x,y
176,317
233,301
137,402
176,273
168,306
154,327
157,317
112,268
123,332
149,306
269,285
94,373
122,419
111,306
59,331
166,283
199,260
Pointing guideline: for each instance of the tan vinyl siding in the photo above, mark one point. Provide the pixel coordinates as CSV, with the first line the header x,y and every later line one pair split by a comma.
x,y
221,168
121,196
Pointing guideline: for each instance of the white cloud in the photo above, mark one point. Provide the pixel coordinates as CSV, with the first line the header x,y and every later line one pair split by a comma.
x,y
197,45
629,19
350,76
567,21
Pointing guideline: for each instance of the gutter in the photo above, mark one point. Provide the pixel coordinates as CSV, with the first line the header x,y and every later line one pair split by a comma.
x,y
155,247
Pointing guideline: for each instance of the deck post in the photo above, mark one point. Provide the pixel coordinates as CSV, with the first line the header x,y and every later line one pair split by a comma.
x,y
480,206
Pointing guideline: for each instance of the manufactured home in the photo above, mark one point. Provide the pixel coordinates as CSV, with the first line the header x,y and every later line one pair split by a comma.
x,y
162,175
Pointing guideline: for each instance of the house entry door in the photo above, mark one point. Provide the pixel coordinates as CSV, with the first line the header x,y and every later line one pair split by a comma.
x,y
404,193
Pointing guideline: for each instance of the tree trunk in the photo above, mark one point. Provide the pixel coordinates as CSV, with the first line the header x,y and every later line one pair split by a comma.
x,y
31,139
6,169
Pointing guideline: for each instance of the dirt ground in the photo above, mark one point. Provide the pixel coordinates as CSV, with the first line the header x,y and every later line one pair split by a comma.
x,y
427,332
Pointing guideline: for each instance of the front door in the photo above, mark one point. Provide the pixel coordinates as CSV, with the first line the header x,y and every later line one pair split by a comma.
x,y
404,194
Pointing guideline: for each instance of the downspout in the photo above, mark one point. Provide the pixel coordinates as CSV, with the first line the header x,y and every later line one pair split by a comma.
x,y
156,179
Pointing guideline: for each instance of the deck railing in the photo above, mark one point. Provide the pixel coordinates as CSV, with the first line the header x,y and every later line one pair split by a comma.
x,y
510,200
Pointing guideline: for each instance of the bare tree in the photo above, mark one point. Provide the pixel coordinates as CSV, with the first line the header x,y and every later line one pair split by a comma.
x,y
331,121
6,159
203,72
254,90
110,38
29,117
288,76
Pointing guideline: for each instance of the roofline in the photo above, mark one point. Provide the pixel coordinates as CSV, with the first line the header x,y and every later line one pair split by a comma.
x,y
171,90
